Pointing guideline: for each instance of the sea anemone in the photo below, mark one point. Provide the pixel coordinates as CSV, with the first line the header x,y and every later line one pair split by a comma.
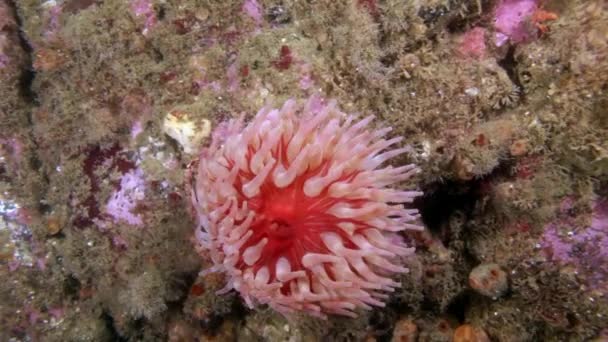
x,y
297,212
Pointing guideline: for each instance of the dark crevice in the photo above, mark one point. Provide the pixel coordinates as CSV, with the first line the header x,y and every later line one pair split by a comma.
x,y
25,87
180,283
157,55
161,12
109,322
430,15
472,15
71,287
383,324
26,91
429,306
458,305
213,322
442,200
28,74
509,64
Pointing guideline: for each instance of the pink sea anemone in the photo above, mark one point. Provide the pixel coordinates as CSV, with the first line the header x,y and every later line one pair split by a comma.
x,y
296,208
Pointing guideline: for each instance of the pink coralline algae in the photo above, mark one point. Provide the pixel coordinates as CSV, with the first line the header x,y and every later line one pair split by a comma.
x,y
123,202
296,208
253,9
11,151
97,165
144,9
513,21
585,249
472,44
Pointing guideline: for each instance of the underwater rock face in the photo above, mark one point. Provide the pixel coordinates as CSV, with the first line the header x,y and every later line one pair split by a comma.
x,y
106,105
297,209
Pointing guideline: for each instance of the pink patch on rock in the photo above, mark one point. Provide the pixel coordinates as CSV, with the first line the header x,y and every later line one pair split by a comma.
x,y
232,76
13,265
144,8
33,316
97,164
512,21
119,242
137,107
254,10
472,44
53,23
306,80
587,248
41,264
12,148
136,129
121,204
